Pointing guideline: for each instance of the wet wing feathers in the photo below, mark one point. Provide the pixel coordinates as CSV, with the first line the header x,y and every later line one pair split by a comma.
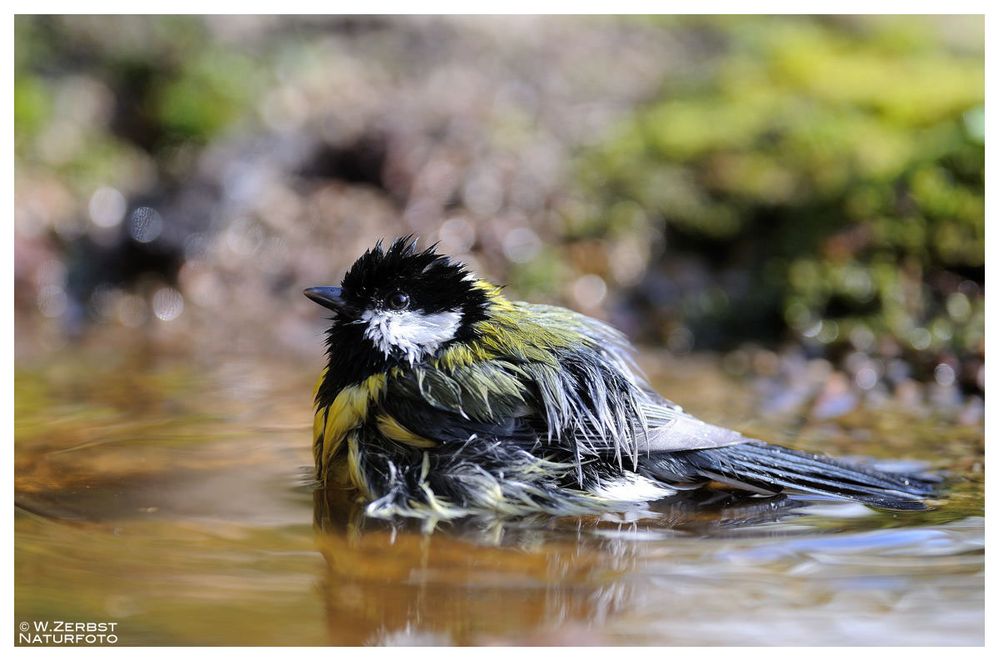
x,y
483,402
592,400
487,391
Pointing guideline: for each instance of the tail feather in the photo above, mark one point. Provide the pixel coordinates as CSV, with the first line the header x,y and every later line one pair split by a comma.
x,y
767,468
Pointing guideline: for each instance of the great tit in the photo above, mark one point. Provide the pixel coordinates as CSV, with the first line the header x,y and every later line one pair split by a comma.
x,y
442,398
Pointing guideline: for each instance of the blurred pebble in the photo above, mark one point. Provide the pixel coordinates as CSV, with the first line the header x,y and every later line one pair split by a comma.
x,y
909,394
836,399
145,225
483,193
52,301
131,310
680,341
945,398
783,401
245,237
457,235
888,347
817,371
862,338
589,290
629,259
866,378
877,397
521,245
201,285
855,361
196,245
898,371
766,363
973,412
736,362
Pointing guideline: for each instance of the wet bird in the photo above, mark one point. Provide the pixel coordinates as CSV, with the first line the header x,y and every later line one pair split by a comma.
x,y
442,398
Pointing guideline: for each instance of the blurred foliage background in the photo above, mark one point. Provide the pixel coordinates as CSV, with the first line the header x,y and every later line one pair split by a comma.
x,y
802,195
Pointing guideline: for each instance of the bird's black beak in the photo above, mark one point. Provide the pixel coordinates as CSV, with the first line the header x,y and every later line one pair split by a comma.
x,y
328,297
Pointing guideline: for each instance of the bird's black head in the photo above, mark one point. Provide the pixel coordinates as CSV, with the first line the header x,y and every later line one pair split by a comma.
x,y
398,305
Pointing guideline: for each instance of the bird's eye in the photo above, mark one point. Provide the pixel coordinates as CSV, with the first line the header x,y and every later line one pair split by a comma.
x,y
397,301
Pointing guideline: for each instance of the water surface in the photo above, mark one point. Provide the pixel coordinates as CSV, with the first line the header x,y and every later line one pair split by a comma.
x,y
176,502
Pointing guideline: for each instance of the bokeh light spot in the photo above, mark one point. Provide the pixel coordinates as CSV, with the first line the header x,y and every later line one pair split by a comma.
x,y
168,304
944,374
52,301
589,290
521,245
145,225
107,207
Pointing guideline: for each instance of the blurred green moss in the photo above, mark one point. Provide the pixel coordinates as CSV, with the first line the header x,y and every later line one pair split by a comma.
x,y
209,93
164,82
837,165
32,106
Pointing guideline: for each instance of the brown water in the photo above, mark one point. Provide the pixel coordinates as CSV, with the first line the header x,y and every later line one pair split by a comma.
x,y
176,502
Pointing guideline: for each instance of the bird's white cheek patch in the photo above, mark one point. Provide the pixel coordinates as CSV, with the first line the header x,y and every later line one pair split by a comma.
x,y
413,333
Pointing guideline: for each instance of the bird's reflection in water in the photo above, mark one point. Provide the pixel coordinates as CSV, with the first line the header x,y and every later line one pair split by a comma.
x,y
538,580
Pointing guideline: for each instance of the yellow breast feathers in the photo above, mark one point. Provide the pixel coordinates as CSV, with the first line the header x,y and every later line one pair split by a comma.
x,y
335,427
333,424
